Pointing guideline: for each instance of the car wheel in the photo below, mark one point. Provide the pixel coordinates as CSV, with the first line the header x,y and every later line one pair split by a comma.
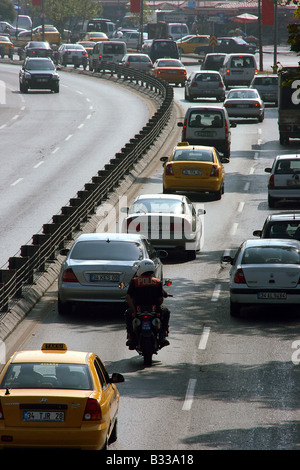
x,y
218,194
63,309
261,118
234,309
283,139
191,254
114,433
271,201
166,191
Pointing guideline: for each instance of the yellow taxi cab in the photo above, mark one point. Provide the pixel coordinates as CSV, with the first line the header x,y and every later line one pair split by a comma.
x,y
6,47
195,168
170,70
59,398
189,45
95,36
88,45
52,35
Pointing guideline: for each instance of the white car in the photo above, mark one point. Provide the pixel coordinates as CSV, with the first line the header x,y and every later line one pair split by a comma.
x,y
284,180
264,271
169,221
245,103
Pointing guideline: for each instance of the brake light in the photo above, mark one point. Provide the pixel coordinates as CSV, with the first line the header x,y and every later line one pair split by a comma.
x,y
146,317
239,277
128,63
228,72
226,130
214,171
84,53
169,170
100,56
69,276
184,130
92,410
271,183
130,224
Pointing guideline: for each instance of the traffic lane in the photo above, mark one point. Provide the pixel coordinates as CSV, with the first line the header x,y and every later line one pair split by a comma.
x,y
82,127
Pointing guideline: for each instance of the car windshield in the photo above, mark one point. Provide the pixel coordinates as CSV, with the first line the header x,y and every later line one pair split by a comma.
x,y
265,81
39,65
4,39
74,46
47,375
242,94
193,155
38,44
158,206
109,250
271,255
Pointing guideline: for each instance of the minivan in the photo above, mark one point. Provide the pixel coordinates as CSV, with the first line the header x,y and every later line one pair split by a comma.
x,y
106,51
207,125
177,30
238,69
160,48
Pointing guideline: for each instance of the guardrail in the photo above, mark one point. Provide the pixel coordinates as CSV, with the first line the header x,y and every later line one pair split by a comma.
x,y
33,258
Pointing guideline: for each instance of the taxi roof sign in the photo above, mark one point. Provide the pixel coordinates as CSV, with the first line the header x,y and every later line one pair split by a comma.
x,y
54,347
182,144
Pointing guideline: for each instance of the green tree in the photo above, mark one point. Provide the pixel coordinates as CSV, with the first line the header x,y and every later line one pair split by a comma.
x,y
7,11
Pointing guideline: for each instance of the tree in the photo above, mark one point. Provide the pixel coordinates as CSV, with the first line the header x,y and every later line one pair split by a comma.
x,y
7,11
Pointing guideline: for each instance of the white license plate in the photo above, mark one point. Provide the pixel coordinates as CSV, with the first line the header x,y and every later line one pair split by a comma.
x,y
293,182
192,172
56,416
204,134
96,277
272,295
146,325
42,79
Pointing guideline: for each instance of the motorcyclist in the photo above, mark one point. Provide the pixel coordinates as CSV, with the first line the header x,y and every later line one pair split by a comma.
x,y
145,289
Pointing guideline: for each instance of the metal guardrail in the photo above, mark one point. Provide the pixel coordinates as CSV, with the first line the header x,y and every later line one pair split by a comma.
x,y
34,257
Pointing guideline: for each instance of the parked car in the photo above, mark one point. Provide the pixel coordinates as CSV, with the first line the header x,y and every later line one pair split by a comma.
x,y
213,61
137,61
267,87
280,225
97,263
170,70
194,168
204,84
238,69
284,180
6,47
264,271
38,73
36,49
170,222
245,103
62,399
207,125
74,54
189,45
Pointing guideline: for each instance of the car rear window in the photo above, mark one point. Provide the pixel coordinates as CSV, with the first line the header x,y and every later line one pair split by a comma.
x,y
242,62
207,77
107,250
271,255
47,375
265,81
113,48
158,206
193,155
288,167
206,118
283,230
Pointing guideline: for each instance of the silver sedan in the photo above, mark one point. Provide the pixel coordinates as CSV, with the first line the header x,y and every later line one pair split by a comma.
x,y
245,103
96,266
265,271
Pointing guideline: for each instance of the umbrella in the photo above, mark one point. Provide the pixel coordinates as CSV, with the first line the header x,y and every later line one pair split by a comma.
x,y
244,18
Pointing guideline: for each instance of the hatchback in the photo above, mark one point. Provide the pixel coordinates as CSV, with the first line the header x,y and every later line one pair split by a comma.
x,y
284,180
96,265
204,84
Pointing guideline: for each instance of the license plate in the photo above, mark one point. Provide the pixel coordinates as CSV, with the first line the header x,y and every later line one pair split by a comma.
x,y
171,71
56,416
42,79
293,182
146,325
272,295
96,277
204,134
192,172
242,106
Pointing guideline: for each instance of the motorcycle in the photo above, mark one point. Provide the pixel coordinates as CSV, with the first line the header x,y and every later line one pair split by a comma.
x,y
147,328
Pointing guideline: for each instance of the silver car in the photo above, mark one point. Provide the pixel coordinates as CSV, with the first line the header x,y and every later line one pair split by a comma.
x,y
264,271
245,103
74,54
267,87
284,180
98,263
204,84
169,221
137,61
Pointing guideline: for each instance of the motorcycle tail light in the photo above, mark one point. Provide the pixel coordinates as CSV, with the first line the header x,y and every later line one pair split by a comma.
x,y
69,276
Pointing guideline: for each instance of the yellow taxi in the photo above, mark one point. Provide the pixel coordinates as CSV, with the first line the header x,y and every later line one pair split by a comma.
x,y
58,398
170,70
189,45
6,47
95,36
194,168
88,45
52,35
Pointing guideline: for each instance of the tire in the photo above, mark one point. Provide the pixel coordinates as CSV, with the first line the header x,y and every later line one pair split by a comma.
x,y
261,118
166,191
63,309
283,139
271,202
147,351
114,434
234,309
218,194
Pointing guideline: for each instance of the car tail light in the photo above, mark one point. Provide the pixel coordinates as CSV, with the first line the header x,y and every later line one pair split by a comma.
x,y
1,412
228,72
184,130
169,170
92,410
271,183
69,276
256,105
226,130
239,277
84,53
214,171
130,223
127,63
100,56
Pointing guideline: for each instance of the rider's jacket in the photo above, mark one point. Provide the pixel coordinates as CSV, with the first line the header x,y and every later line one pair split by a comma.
x,y
145,290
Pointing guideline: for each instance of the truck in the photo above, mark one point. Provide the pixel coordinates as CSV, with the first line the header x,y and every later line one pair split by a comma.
x,y
288,104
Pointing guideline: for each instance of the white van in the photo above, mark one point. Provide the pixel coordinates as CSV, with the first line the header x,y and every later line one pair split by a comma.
x,y
238,69
106,51
177,30
207,125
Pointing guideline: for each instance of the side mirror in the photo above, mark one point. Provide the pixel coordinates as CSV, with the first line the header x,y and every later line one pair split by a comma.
x,y
164,159
227,259
125,210
180,124
161,254
232,124
268,170
257,233
116,378
64,251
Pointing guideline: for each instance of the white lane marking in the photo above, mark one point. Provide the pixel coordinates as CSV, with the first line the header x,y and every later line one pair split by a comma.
x,y
216,293
55,150
38,164
189,395
15,117
234,228
251,170
241,206
256,156
17,181
89,116
204,338
80,126
69,137
247,186
3,126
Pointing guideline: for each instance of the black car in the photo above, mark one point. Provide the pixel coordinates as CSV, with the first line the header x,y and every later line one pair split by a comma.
x,y
38,73
229,45
36,49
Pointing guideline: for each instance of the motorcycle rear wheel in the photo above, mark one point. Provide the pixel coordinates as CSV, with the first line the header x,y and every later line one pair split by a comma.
x,y
147,351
